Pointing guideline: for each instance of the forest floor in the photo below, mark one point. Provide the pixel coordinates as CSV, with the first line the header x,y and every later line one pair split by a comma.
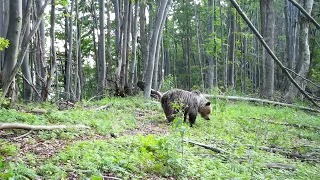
x,y
130,139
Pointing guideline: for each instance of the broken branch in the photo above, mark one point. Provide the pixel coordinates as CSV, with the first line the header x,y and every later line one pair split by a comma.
x,y
38,127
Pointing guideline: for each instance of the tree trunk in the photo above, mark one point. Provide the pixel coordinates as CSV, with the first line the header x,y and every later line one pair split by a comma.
x,y
304,53
27,89
210,29
267,31
199,47
11,54
231,49
133,74
109,56
161,15
41,58
68,92
143,37
4,22
121,70
126,67
102,56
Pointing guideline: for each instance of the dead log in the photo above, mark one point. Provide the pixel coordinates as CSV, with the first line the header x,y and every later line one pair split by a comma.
x,y
104,107
281,166
38,127
214,149
236,98
294,155
287,124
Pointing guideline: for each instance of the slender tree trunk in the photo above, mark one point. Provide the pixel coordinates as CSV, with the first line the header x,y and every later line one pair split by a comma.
x,y
117,30
102,56
199,47
120,79
4,22
126,72
267,31
27,89
80,64
143,37
304,53
68,88
11,54
231,49
109,56
41,57
161,15
210,28
134,51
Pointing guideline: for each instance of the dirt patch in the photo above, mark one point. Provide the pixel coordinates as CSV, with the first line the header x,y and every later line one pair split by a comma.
x,y
44,149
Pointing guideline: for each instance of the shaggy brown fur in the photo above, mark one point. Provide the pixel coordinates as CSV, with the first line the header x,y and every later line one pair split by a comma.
x,y
193,103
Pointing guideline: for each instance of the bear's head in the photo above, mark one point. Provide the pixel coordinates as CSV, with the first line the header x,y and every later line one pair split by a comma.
x,y
205,110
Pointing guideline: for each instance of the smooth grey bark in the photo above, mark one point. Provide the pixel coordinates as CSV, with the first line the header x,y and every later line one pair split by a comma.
x,y
11,54
23,52
231,49
133,75
27,89
223,56
215,62
244,65
4,22
117,30
40,57
119,50
80,63
143,37
52,67
94,27
267,31
121,70
1,31
108,47
68,85
102,55
161,14
210,29
75,72
126,67
156,64
304,51
161,65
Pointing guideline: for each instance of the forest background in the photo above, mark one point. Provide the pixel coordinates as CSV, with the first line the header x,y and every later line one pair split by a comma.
x,y
79,49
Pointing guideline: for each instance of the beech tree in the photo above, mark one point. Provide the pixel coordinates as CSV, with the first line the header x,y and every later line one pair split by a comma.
x,y
267,31
11,54
155,39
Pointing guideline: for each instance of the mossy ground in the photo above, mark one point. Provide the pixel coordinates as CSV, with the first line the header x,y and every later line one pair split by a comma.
x,y
132,140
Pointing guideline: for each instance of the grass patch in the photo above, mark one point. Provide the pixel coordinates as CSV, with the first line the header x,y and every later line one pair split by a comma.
x,y
131,155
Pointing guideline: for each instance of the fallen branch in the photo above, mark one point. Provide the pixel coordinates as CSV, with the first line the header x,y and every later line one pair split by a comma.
x,y
23,135
286,124
38,127
294,155
281,166
262,101
104,107
214,149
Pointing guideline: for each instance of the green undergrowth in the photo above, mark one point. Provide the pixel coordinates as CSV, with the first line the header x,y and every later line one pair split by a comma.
x,y
234,126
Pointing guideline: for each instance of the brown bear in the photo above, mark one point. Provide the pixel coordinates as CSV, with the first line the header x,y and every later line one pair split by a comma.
x,y
193,102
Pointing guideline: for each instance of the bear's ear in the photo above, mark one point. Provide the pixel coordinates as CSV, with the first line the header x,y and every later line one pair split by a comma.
x,y
208,103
